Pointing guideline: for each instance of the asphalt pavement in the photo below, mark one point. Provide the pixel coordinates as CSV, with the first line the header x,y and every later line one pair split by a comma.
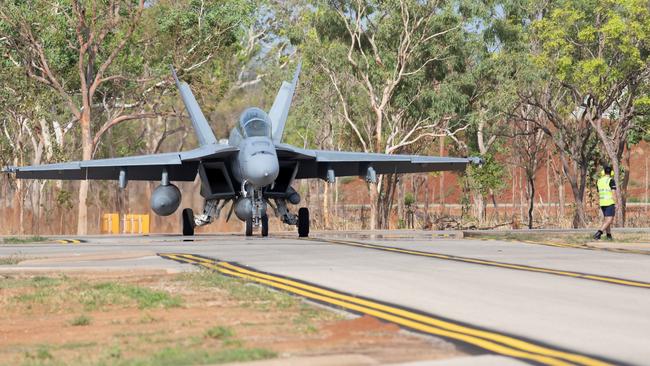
x,y
552,297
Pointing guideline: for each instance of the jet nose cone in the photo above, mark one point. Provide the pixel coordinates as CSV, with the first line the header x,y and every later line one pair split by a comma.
x,y
262,170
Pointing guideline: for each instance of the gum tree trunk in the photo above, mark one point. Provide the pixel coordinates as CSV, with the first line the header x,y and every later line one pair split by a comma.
x,y
87,152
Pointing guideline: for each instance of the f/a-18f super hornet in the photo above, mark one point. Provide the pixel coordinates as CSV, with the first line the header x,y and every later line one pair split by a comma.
x,y
253,169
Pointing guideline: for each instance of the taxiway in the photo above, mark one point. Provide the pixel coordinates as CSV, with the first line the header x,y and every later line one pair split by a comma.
x,y
528,302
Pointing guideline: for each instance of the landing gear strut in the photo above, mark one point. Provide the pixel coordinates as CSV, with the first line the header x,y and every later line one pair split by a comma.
x,y
257,211
211,210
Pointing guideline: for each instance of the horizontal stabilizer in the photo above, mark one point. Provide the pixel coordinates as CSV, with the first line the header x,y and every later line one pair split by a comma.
x,y
280,109
201,127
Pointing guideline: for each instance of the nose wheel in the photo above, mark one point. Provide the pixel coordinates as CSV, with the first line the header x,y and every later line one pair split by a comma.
x,y
303,222
264,226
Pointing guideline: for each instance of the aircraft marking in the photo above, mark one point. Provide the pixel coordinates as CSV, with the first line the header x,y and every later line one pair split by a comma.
x,y
521,267
491,341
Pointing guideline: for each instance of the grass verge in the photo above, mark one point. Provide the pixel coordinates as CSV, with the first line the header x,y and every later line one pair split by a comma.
x,y
240,290
11,260
81,320
58,292
177,356
131,320
23,240
559,238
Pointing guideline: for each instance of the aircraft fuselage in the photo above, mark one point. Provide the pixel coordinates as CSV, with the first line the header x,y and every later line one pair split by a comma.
x,y
257,162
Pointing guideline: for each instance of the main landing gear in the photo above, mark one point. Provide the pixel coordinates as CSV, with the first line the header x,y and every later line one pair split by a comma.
x,y
188,222
303,222
213,208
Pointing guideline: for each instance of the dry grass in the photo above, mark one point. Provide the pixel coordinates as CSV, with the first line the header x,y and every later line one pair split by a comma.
x,y
186,319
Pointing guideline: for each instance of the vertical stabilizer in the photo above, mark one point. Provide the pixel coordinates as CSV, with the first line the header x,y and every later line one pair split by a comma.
x,y
280,109
201,127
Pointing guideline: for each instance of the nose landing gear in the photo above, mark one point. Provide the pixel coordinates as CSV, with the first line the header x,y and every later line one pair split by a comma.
x,y
263,223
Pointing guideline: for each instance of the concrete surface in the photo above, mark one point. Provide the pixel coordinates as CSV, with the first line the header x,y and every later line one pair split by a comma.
x,y
599,319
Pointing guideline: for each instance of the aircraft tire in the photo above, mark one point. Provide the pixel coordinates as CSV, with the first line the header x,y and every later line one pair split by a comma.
x,y
265,225
249,227
303,222
188,222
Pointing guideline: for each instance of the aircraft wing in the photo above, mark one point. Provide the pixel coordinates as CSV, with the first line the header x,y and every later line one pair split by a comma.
x,y
316,163
181,166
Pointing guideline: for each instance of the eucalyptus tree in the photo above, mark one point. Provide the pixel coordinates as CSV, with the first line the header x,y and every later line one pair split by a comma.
x,y
104,58
387,62
514,29
598,53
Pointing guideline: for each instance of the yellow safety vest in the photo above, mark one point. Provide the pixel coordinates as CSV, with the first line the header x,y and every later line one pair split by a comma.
x,y
605,191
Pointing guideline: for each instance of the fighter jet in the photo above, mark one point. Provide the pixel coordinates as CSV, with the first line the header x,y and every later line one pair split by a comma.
x,y
253,170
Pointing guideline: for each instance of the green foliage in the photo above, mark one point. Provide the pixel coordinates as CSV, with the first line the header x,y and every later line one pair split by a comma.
x,y
23,240
46,291
409,199
200,36
108,293
426,93
241,290
81,320
178,356
491,176
64,199
219,332
42,354
11,260
594,44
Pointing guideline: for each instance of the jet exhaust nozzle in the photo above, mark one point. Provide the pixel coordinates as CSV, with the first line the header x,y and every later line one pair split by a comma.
x,y
165,199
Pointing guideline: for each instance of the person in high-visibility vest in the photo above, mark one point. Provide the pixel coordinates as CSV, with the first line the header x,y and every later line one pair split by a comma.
x,y
606,186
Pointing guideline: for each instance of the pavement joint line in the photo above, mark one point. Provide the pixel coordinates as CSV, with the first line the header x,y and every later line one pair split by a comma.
x,y
520,267
583,246
494,342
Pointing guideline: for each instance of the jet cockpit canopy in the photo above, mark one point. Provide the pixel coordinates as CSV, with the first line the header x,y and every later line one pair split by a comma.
x,y
255,122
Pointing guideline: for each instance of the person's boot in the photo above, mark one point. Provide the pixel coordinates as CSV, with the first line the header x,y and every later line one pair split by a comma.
x,y
598,234
609,236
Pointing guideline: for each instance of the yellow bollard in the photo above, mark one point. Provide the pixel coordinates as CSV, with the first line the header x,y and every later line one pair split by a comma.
x,y
136,224
110,223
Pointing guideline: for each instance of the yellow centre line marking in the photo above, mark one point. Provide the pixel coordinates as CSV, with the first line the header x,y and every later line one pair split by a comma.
x,y
611,280
428,324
